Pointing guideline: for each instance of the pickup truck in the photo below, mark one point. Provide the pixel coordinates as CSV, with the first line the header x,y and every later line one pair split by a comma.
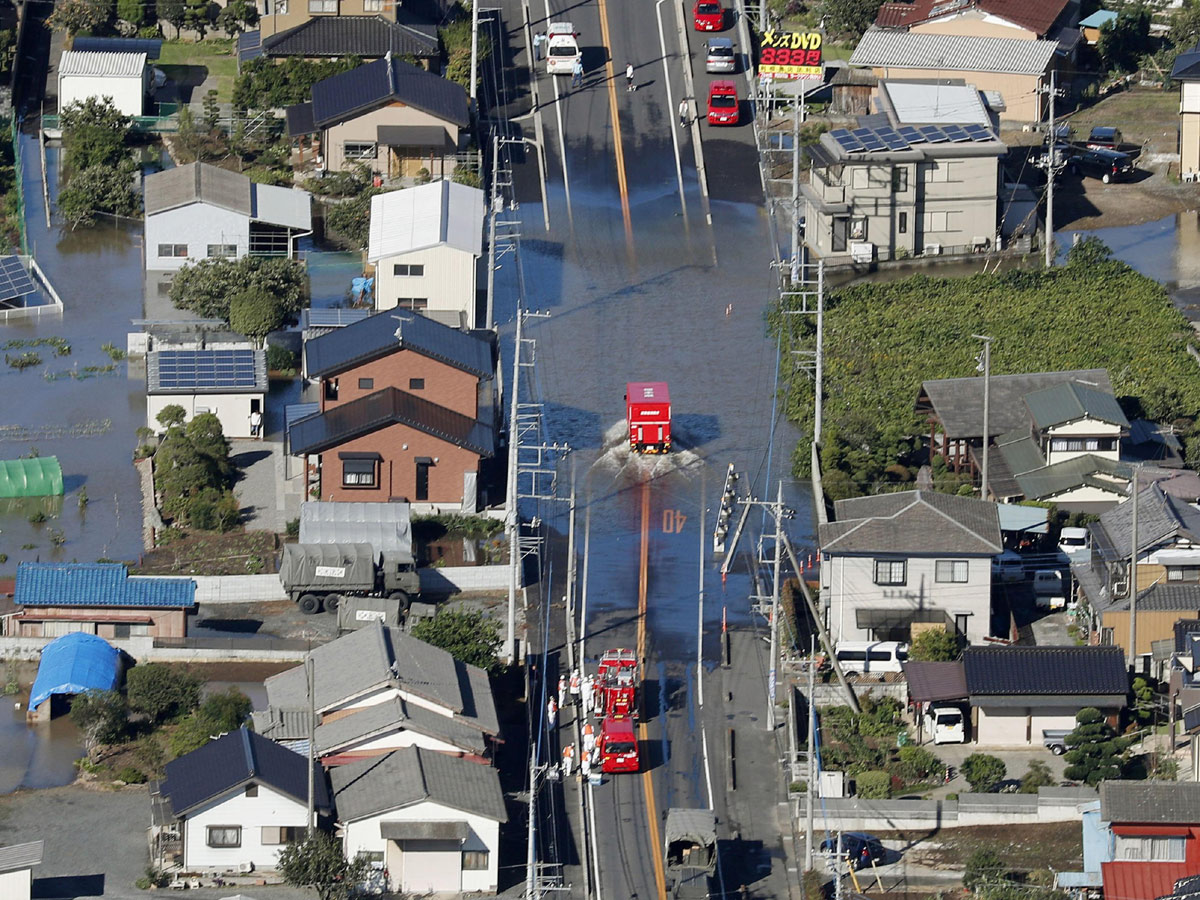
x,y
1055,740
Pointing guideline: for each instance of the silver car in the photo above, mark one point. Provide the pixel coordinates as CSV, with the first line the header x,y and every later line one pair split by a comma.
x,y
719,55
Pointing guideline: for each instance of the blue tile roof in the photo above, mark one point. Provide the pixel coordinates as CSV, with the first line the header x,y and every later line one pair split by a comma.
x,y
98,584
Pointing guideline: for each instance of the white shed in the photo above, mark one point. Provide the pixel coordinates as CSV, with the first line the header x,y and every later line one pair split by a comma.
x,y
122,77
231,383
16,869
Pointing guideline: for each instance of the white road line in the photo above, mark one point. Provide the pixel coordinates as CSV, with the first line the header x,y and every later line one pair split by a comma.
x,y
662,40
562,141
690,87
595,848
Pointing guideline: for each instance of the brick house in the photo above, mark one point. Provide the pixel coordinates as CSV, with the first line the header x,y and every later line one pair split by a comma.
x,y
407,412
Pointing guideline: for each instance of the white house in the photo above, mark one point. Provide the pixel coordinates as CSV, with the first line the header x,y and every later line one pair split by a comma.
x,y
200,211
895,560
238,800
229,382
425,243
432,821
124,78
16,869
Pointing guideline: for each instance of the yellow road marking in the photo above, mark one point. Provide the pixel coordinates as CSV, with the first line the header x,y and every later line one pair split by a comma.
x,y
656,850
622,183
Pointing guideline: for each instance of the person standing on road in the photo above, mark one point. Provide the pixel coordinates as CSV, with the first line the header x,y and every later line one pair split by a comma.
x,y
577,73
539,45
551,712
568,760
589,738
683,113
562,690
629,77
589,688
575,683
585,765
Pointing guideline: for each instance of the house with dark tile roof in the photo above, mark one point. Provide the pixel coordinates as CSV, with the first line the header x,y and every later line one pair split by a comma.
x,y
53,599
1017,692
894,561
393,117
433,821
408,412
369,37
233,804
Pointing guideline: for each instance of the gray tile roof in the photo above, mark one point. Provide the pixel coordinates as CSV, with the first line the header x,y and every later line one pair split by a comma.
x,y
21,856
389,332
390,406
1045,670
1067,402
197,183
367,87
1165,597
281,724
404,777
1161,517
1187,65
369,37
396,715
1157,802
913,522
884,48
959,401
929,681
1079,471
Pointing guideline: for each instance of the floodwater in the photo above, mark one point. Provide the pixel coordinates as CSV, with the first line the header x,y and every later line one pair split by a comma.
x,y
35,756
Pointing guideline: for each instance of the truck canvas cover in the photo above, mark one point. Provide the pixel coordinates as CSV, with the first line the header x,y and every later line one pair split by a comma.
x,y
691,838
329,565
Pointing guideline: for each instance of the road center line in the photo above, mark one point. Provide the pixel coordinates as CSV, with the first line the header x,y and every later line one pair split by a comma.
x,y
618,149
656,852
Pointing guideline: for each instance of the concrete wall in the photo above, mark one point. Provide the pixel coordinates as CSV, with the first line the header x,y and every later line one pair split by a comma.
x,y
1021,727
465,579
232,409
1189,127
198,225
1049,805
143,650
364,129
127,92
269,808
448,282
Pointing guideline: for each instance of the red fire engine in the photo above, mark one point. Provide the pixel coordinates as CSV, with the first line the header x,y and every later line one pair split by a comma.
x,y
618,746
648,413
616,685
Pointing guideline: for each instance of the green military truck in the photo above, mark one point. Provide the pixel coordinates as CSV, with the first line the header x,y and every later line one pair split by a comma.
x,y
318,576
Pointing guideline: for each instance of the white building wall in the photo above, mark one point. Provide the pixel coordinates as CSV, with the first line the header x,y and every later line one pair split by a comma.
x,y
16,885
198,225
232,409
269,808
363,836
1083,429
448,282
127,92
1189,98
1020,727
395,740
385,694
849,583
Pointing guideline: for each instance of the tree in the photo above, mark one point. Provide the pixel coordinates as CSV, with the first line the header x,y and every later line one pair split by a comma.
x,y
983,772
255,314
984,866
94,133
1123,40
934,645
219,714
873,785
74,16
236,17
131,11
1095,752
206,287
1185,25
193,473
468,636
161,691
101,716
1038,776
171,414
99,189
318,862
270,84
173,12
198,15
851,17
351,219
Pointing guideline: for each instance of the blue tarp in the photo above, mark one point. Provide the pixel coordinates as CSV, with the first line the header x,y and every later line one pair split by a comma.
x,y
73,664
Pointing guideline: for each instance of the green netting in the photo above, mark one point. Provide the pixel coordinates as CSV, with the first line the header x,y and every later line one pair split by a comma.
x,y
38,477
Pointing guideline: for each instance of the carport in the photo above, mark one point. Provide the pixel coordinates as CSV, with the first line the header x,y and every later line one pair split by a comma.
x,y
933,682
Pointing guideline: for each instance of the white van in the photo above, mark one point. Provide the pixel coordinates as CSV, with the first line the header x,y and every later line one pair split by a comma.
x,y
1048,589
1072,541
873,657
562,49
946,723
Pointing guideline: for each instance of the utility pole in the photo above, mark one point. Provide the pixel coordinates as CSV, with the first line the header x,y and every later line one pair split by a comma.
x,y
700,608
474,51
587,546
1133,562
1051,167
807,297
771,671
312,739
512,520
570,598
985,365
495,206
797,118
812,756
819,373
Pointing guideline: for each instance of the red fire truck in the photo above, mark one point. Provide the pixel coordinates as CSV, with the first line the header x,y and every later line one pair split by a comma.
x,y
616,685
618,746
648,413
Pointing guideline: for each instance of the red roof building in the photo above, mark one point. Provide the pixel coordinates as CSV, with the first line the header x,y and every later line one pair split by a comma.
x,y
1155,837
1037,17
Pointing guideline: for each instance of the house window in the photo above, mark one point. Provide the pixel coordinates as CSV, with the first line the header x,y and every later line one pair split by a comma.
x,y
424,463
475,860
128,630
846,229
899,180
358,473
172,251
355,149
1106,637
960,624
1189,574
322,6
281,834
890,571
366,384
1150,849
411,270
416,384
252,790
951,571
902,223
225,251
373,6
1081,445
858,228
331,389
224,836
413,303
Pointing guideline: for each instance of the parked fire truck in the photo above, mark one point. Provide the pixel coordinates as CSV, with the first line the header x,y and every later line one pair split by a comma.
x,y
648,414
616,685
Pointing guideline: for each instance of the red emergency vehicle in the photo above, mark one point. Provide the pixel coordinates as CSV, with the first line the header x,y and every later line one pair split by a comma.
x,y
618,746
616,685
648,413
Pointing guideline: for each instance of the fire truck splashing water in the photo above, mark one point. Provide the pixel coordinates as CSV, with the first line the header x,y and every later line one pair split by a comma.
x,y
617,457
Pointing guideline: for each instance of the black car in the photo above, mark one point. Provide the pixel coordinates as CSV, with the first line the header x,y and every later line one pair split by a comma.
x,y
860,848
1107,165
1104,137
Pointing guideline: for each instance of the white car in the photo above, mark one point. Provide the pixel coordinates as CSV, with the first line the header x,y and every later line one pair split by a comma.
x,y
1008,567
1072,541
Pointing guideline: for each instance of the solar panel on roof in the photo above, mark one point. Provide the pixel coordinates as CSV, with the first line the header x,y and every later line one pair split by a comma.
x,y
14,280
875,143
846,140
208,368
893,140
956,133
933,134
978,132
910,134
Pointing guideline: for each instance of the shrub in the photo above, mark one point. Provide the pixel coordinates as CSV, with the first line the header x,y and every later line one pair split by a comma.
x,y
983,772
1038,776
131,775
983,866
917,763
162,691
934,645
874,785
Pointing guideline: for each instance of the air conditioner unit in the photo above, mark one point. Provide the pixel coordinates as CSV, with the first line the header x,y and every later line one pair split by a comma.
x,y
245,867
862,251
932,250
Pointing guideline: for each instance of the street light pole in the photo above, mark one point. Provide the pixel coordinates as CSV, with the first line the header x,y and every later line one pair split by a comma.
x,y
474,49
772,673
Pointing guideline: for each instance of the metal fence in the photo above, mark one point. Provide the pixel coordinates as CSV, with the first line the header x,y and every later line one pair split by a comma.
x,y
19,178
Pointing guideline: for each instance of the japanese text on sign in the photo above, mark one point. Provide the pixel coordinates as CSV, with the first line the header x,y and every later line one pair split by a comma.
x,y
791,54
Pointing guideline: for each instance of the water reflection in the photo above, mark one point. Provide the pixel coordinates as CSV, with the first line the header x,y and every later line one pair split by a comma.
x,y
36,756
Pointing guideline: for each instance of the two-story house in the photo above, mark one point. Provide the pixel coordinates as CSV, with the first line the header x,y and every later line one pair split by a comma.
x,y
921,177
893,560
407,412
1153,830
425,243
1167,577
1186,71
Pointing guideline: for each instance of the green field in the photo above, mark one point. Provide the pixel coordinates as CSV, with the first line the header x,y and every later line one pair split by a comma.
x,y
210,63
